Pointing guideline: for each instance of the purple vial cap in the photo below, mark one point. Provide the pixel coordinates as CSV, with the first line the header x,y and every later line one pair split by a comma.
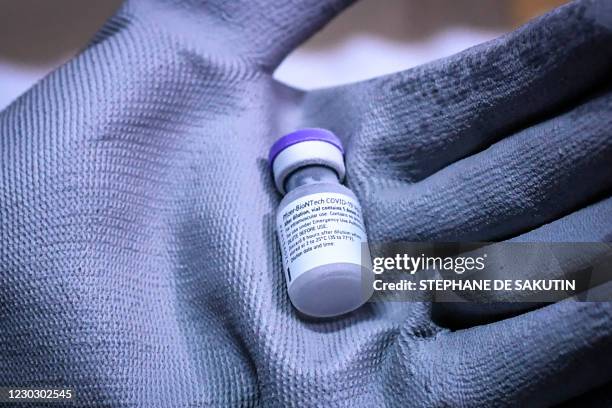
x,y
303,135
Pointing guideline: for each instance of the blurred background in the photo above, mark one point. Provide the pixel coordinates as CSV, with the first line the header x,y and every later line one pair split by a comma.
x,y
371,38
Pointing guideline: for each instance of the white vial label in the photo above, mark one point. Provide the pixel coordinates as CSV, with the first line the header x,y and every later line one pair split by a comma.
x,y
320,229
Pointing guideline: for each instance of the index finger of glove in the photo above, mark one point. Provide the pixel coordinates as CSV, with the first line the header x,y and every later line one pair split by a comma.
x,y
407,126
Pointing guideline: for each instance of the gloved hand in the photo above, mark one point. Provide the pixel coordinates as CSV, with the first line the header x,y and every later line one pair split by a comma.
x,y
138,258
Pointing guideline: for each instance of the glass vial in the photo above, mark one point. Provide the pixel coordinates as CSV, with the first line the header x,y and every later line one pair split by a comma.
x,y
319,225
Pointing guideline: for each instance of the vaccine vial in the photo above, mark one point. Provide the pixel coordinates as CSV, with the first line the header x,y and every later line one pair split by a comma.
x,y
319,225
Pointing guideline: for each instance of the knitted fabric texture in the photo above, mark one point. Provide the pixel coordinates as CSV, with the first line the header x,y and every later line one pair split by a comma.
x,y
138,258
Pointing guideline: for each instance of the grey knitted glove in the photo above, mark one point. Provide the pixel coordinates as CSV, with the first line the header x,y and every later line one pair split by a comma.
x,y
138,261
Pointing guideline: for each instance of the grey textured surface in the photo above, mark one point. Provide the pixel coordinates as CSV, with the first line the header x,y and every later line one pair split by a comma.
x,y
137,250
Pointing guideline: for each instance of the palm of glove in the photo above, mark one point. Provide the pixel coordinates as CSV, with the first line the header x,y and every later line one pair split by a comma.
x,y
139,262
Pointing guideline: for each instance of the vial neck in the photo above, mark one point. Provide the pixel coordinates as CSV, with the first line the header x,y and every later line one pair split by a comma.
x,y
310,175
